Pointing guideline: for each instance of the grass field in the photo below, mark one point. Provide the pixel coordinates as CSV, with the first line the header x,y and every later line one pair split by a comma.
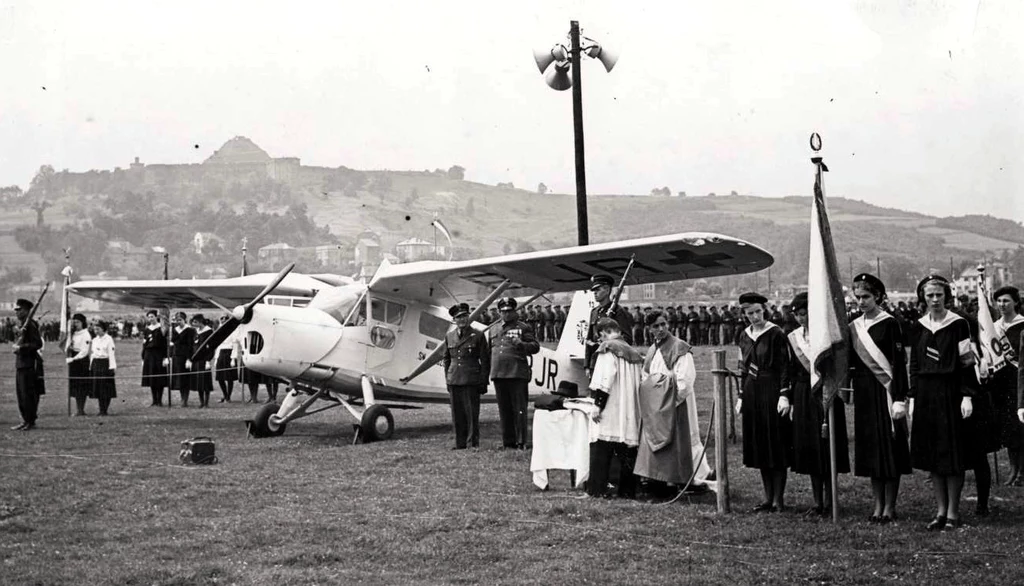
x,y
103,501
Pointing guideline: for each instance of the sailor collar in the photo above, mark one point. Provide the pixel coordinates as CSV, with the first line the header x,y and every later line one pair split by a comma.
x,y
1008,324
935,326
755,335
882,316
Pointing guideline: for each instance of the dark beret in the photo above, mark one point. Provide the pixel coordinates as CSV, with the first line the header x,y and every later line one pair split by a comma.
x,y
873,283
152,312
458,309
599,280
81,318
507,303
799,302
752,298
1010,290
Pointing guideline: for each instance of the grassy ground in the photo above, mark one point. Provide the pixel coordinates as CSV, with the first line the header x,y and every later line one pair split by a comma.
x,y
102,501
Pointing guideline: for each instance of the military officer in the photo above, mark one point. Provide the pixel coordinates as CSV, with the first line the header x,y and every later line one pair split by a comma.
x,y
467,363
601,286
28,382
511,345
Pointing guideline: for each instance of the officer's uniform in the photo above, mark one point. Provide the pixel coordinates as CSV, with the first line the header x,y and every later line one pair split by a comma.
x,y
619,314
511,345
28,382
467,363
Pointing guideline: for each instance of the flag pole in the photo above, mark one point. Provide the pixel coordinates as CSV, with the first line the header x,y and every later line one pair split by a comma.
x,y
65,324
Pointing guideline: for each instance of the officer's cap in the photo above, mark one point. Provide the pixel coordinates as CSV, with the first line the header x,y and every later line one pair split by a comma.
x,y
458,309
507,303
601,280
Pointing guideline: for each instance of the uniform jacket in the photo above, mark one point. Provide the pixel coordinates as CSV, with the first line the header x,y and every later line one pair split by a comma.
x,y
467,358
183,343
620,315
31,343
511,343
154,341
202,362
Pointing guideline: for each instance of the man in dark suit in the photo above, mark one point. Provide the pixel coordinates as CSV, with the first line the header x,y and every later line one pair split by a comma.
x,y
512,343
28,382
467,363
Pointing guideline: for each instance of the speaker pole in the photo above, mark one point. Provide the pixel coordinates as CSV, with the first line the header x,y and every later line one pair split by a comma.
x,y
577,123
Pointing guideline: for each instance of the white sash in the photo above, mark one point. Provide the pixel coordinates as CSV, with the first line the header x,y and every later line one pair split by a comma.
x,y
800,347
872,357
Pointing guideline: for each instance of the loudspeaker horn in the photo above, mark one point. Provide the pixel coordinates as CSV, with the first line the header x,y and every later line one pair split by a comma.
x,y
602,54
558,77
545,57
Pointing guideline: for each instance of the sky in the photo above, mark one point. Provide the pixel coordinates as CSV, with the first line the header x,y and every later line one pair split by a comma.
x,y
919,103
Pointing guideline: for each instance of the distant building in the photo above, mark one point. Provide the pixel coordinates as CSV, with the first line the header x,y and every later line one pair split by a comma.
x,y
997,274
205,241
277,253
329,255
415,249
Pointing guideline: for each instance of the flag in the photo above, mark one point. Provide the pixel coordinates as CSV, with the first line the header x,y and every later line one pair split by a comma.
x,y
444,231
826,308
996,349
65,308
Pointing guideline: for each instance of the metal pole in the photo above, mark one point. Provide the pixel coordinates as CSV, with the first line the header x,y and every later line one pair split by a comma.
x,y
721,442
833,457
577,123
878,267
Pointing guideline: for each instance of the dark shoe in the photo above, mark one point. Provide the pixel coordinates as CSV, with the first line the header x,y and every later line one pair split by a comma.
x,y
815,512
763,508
221,400
890,518
28,426
884,520
458,447
981,511
875,519
952,525
19,427
937,523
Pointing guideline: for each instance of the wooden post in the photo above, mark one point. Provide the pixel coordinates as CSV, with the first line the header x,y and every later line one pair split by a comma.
x,y
833,470
721,441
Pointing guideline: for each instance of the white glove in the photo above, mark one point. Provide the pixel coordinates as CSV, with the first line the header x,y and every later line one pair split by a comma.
x,y
899,410
188,364
910,411
164,361
739,406
966,407
783,407
1020,415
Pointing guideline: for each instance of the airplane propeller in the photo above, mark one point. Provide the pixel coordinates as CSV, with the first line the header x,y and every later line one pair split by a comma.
x,y
241,314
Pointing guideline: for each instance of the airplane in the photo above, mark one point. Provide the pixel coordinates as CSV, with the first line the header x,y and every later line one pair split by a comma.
x,y
356,343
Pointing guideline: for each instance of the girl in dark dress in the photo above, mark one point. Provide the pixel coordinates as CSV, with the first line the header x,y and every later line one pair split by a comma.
x,y
764,401
226,373
942,382
878,366
811,454
79,344
202,378
183,340
154,355
102,366
1003,383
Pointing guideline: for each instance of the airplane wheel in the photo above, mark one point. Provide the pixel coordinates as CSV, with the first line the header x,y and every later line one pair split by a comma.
x,y
377,423
261,425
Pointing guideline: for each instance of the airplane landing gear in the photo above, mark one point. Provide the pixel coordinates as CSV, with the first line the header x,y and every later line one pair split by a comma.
x,y
377,423
262,427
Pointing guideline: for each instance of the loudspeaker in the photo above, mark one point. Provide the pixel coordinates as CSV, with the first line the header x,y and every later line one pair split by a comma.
x,y
545,57
602,54
559,77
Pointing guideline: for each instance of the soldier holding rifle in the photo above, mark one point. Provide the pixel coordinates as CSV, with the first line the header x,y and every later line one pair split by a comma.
x,y
28,362
607,306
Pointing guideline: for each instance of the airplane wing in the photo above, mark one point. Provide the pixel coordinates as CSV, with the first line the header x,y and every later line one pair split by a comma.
x,y
196,293
689,255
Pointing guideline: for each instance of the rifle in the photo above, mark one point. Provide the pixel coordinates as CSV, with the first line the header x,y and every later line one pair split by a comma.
x,y
622,285
31,312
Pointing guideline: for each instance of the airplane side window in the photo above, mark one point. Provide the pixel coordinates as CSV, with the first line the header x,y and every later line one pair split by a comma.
x,y
433,326
395,313
378,309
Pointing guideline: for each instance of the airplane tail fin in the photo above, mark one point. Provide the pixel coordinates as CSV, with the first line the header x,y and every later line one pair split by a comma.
x,y
574,334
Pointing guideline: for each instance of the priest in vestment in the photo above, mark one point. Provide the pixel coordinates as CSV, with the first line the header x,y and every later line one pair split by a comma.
x,y
665,452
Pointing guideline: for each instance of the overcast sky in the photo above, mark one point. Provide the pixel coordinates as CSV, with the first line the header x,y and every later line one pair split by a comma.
x,y
919,103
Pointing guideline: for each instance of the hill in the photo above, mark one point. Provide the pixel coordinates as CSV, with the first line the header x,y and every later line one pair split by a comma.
x,y
242,192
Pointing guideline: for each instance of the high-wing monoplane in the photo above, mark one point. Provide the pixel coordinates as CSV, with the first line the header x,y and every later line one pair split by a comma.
x,y
357,344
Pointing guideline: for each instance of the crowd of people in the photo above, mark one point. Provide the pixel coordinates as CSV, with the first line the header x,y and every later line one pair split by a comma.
x,y
919,399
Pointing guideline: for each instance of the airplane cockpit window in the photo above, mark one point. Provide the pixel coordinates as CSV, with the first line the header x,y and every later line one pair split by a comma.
x,y
386,311
433,326
338,302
